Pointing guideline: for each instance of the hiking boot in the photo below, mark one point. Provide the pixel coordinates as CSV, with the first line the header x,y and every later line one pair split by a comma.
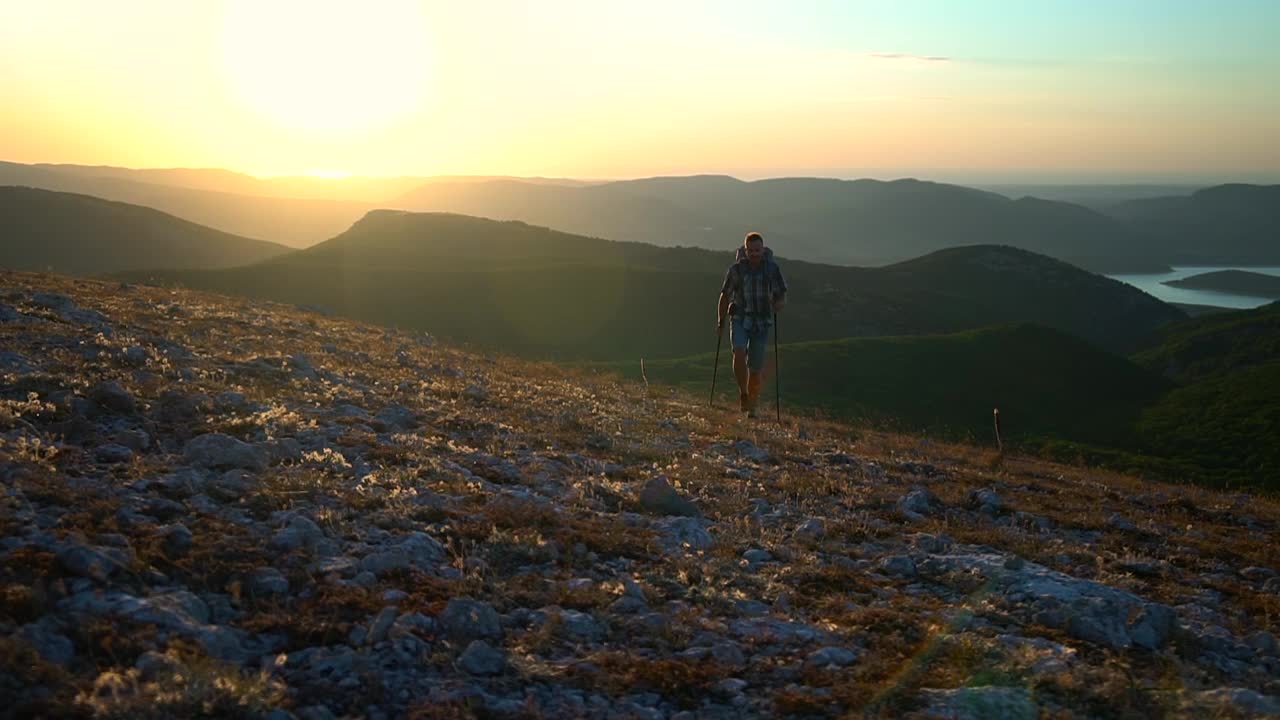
x,y
751,402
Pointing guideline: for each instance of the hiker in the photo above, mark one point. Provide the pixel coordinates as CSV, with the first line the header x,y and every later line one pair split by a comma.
x,y
753,291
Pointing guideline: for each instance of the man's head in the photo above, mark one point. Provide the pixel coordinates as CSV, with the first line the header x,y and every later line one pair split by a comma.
x,y
754,243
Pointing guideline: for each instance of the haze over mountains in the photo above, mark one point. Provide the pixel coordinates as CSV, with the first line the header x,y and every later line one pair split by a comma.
x,y
296,222
536,291
1222,225
1100,197
80,234
858,222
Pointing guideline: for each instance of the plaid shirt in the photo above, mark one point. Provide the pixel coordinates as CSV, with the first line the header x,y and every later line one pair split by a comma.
x,y
749,288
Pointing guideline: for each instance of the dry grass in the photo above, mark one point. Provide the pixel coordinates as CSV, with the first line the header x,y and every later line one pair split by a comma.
x,y
684,682
194,686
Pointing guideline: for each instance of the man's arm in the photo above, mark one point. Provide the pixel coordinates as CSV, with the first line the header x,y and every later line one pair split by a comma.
x,y
726,297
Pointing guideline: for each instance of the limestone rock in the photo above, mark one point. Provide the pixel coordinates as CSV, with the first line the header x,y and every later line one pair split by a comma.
x,y
659,498
480,658
216,450
466,619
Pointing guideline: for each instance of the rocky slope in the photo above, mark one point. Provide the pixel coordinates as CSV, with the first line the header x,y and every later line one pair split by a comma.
x,y
234,508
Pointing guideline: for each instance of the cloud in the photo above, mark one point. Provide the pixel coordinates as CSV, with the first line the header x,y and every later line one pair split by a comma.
x,y
909,57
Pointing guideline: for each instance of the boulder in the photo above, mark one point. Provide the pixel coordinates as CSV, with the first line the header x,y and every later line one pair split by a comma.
x,y
1083,608
396,417
176,541
917,503
682,535
301,532
465,619
94,562
387,561
659,498
111,453
831,656
268,581
111,397
47,640
979,703
480,658
219,451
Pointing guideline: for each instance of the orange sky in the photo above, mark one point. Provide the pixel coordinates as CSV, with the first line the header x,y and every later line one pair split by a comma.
x,y
602,90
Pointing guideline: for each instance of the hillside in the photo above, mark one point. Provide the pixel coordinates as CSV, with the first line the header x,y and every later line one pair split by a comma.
x,y
1234,224
1213,345
1225,414
539,292
43,230
214,506
1238,282
858,222
1044,382
296,222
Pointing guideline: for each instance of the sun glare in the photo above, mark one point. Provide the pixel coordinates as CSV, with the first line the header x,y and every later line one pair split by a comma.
x,y
326,67
328,174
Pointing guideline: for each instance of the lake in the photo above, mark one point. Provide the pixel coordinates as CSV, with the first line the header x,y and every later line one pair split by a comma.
x,y
1152,284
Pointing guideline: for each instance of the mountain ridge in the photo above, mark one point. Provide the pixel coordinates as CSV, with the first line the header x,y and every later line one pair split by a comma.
x,y
408,268
43,229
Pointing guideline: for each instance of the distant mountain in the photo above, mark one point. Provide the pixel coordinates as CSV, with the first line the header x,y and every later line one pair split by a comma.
x,y
1225,224
290,221
1044,382
63,232
1240,282
1099,197
861,222
302,187
536,291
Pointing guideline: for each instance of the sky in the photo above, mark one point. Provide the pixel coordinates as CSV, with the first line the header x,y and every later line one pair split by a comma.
x,y
953,90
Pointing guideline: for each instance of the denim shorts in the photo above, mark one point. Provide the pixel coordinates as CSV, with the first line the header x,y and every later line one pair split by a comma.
x,y
752,334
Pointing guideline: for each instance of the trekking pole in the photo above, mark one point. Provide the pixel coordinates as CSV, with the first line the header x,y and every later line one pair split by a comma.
x,y
716,367
777,370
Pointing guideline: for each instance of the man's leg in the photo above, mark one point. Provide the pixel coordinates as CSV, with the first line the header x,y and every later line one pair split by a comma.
x,y
754,383
756,354
740,374
738,339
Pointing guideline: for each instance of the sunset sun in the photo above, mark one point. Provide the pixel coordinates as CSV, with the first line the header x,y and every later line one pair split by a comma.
x,y
326,67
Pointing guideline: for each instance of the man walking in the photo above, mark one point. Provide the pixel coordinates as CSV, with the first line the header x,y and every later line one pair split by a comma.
x,y
752,292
